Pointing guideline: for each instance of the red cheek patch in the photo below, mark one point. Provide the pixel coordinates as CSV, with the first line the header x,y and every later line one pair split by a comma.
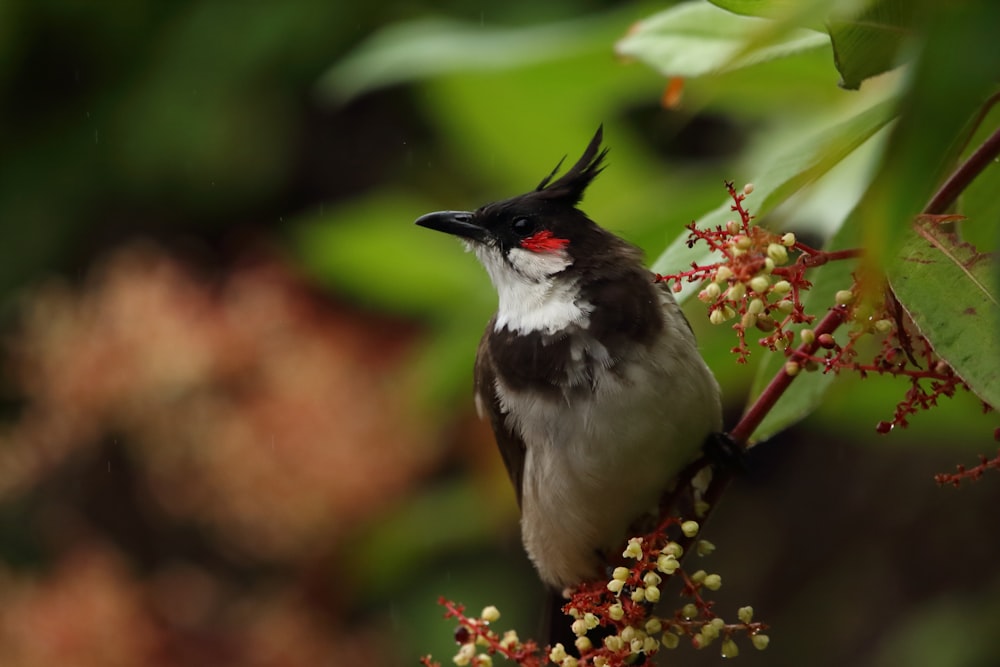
x,y
544,241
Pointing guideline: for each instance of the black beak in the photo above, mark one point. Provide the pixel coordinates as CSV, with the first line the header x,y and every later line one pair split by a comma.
x,y
459,223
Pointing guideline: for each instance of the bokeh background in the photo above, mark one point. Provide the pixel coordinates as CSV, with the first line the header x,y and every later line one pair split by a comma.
x,y
237,425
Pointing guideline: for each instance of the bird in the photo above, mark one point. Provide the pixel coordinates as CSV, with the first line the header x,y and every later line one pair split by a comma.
x,y
588,373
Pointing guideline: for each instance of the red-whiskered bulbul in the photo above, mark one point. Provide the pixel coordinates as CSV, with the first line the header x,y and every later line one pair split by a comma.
x,y
588,372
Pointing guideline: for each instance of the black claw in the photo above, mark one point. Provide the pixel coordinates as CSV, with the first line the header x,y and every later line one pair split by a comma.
x,y
725,453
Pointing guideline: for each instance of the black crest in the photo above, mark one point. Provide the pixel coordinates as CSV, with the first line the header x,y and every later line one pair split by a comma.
x,y
570,186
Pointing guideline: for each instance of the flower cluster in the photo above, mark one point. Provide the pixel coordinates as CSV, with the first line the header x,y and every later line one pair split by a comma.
x,y
478,642
625,605
622,612
758,279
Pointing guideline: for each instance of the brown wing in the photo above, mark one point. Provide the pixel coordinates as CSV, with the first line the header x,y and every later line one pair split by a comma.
x,y
511,446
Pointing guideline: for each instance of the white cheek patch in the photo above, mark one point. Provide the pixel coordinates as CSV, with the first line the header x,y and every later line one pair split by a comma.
x,y
532,297
538,265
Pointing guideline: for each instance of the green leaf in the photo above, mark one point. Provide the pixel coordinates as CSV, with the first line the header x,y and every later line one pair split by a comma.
x,y
434,47
696,39
867,35
794,167
784,14
769,9
372,251
950,291
868,43
942,96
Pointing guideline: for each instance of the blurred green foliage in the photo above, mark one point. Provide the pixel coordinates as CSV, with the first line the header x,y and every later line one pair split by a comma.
x,y
329,127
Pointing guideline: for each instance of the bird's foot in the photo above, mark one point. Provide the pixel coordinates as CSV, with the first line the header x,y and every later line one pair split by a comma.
x,y
725,453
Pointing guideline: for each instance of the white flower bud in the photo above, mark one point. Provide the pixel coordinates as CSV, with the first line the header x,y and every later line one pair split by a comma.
x,y
844,297
759,284
782,287
778,253
558,653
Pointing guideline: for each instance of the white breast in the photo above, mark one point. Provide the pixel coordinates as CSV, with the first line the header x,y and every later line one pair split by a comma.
x,y
598,460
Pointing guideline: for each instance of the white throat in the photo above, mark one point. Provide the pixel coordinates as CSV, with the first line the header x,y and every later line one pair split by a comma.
x,y
532,296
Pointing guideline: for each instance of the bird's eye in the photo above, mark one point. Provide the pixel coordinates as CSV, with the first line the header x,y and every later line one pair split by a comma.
x,y
522,226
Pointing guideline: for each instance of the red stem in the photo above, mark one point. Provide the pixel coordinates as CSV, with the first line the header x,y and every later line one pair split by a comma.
x,y
965,174
779,383
822,257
